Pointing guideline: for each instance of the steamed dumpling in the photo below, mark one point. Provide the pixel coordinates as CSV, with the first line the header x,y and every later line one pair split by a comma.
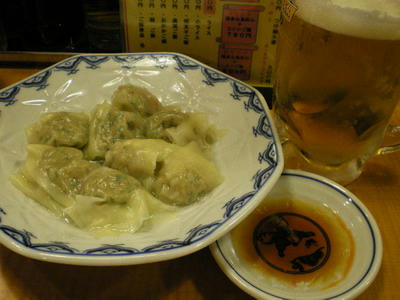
x,y
135,99
174,174
101,217
180,128
95,198
195,128
108,125
60,129
158,124
185,176
110,201
44,168
109,184
71,177
139,158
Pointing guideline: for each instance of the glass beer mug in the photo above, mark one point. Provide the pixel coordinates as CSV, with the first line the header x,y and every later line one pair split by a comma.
x,y
337,82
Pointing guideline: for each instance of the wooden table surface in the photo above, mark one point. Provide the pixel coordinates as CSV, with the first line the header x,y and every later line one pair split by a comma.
x,y
196,276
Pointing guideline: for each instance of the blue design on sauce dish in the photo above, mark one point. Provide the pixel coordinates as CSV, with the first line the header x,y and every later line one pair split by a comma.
x,y
374,235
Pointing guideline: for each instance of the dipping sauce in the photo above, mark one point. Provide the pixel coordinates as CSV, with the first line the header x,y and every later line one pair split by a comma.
x,y
296,244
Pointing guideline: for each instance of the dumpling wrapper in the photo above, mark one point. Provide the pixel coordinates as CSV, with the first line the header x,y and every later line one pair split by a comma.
x,y
101,217
196,128
138,157
43,166
70,129
34,191
108,125
158,124
185,176
110,185
174,174
135,99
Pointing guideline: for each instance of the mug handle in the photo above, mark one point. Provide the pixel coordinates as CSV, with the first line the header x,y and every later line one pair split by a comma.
x,y
392,133
391,141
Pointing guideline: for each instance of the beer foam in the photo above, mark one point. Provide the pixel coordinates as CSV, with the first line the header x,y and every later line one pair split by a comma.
x,y
374,19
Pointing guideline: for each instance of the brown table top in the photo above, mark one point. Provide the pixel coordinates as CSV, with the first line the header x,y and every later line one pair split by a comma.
x,y
196,276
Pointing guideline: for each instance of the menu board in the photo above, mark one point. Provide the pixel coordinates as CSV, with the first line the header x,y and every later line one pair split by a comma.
x,y
237,37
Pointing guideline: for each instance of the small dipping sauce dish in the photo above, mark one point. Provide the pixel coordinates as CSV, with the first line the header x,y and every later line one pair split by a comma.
x,y
309,239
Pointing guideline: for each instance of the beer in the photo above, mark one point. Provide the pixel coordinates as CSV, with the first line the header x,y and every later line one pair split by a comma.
x,y
338,78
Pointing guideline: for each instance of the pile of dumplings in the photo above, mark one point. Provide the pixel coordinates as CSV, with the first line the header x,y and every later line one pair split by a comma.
x,y
129,160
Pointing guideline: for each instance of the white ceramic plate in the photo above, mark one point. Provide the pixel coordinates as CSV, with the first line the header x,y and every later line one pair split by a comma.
x,y
318,192
249,155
